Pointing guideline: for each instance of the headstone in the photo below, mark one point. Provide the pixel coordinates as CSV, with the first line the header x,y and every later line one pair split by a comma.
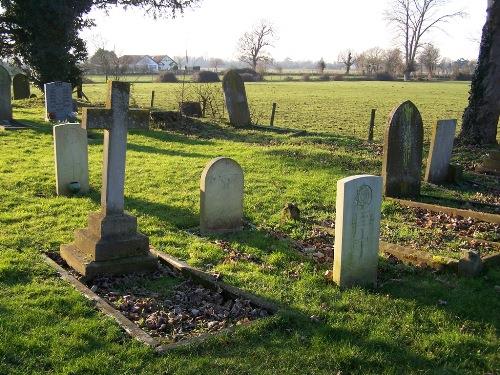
x,y
5,98
221,197
491,164
438,162
58,101
21,86
357,230
402,161
71,158
236,99
111,243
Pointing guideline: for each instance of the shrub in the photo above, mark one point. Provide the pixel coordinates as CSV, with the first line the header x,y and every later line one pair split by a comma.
x,y
338,77
306,77
460,76
206,76
384,76
288,79
324,77
247,77
167,78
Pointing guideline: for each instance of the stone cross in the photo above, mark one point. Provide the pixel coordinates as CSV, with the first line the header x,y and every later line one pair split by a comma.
x,y
438,161
115,119
403,144
5,103
221,197
357,230
236,99
111,243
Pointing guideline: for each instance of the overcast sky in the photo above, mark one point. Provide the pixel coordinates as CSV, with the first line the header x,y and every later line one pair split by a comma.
x,y
307,30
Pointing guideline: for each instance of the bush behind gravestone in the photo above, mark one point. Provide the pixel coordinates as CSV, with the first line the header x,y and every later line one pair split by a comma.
x,y
167,77
384,76
206,76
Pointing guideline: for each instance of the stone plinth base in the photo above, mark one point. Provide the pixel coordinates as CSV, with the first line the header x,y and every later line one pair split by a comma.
x,y
110,245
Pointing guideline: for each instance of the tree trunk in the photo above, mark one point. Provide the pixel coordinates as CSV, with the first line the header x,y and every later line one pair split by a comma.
x,y
407,75
480,119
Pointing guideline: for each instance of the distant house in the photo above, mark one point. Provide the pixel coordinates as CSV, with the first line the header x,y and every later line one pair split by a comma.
x,y
165,63
138,64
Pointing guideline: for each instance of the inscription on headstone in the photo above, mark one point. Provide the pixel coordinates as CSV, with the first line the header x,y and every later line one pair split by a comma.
x,y
5,98
71,158
438,161
402,161
221,196
58,101
21,86
357,230
236,99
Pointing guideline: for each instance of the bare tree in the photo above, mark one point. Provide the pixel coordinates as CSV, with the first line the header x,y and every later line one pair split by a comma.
x,y
480,119
321,66
413,19
216,62
429,58
374,59
252,44
346,57
393,62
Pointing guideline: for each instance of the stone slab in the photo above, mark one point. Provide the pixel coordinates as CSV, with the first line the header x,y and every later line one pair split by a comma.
x,y
20,86
236,99
221,196
443,135
5,98
357,230
58,101
71,158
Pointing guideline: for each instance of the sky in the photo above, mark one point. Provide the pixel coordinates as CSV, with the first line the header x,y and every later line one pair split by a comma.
x,y
307,30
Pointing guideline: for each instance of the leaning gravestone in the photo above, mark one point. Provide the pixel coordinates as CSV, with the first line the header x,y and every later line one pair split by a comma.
x,y
403,143
438,162
357,230
236,99
5,99
58,101
21,86
71,158
221,197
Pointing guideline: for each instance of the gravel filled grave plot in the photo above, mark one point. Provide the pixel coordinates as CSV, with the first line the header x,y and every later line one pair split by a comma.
x,y
170,307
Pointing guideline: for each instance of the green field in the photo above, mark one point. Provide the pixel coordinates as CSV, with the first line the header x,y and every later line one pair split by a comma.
x,y
415,322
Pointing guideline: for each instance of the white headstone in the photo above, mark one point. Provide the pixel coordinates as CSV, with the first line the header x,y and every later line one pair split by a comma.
x,y
5,98
357,230
221,196
71,158
58,101
440,151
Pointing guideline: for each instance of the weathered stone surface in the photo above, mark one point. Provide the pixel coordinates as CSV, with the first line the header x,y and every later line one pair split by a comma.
x,y
236,99
5,98
21,86
357,230
111,244
58,101
71,158
402,162
221,196
438,162
470,265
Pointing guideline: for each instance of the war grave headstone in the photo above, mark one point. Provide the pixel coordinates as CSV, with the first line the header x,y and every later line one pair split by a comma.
x,y
438,161
58,101
6,120
21,86
357,230
111,243
236,99
71,159
402,161
221,196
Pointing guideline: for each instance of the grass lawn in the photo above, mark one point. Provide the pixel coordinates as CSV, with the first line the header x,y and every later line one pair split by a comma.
x,y
415,322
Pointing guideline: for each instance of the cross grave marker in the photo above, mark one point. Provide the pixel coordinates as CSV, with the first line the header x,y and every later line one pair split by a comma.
x,y
111,243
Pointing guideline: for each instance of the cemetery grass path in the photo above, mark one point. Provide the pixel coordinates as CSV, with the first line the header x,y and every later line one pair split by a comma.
x,y
416,322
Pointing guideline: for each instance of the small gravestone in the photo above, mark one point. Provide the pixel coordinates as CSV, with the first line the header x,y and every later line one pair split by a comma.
x,y
438,162
5,99
21,87
236,99
71,159
58,101
357,230
221,197
402,161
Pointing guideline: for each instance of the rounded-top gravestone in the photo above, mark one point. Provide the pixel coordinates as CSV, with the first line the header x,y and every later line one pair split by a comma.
x,y
236,99
5,103
21,86
402,161
221,196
